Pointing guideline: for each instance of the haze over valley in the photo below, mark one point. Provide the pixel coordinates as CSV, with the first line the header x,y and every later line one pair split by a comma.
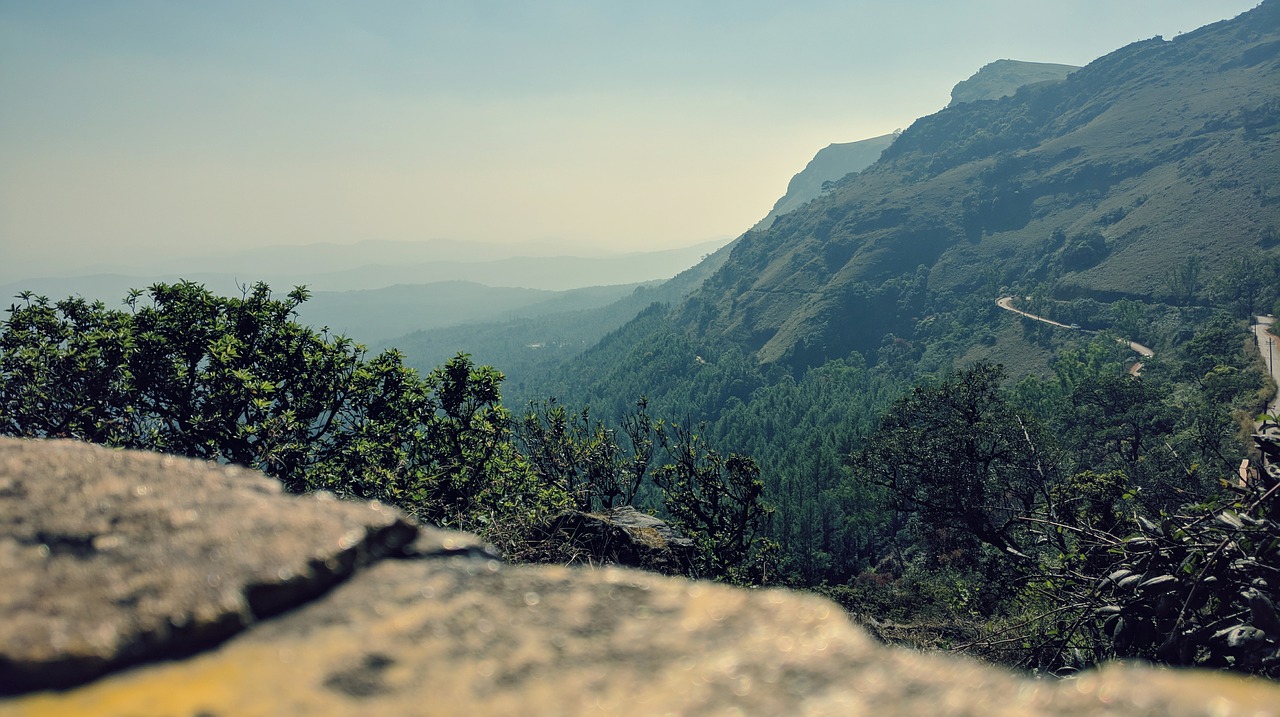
x,y
994,372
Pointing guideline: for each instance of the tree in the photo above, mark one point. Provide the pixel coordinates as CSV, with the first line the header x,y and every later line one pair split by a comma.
x,y
583,457
1205,591
63,370
189,373
237,380
1129,319
1117,417
957,453
717,500
1246,284
1183,283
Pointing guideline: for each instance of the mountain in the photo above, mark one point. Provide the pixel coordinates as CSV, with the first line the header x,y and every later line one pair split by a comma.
x,y
996,80
1123,180
317,258
375,315
829,164
1003,78
552,273
1098,185
373,265
331,257
542,336
548,334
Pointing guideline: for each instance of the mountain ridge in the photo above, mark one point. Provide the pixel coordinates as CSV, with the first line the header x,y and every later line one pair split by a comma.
x,y
1125,148
830,163
1004,77
839,159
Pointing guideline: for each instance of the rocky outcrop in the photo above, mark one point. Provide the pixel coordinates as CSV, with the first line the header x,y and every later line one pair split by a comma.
x,y
830,164
621,536
115,552
115,557
1003,78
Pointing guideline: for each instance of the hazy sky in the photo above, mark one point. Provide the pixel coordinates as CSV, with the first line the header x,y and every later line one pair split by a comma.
x,y
183,127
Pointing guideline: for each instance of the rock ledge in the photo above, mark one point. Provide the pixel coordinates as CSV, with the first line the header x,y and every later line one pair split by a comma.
x,y
117,560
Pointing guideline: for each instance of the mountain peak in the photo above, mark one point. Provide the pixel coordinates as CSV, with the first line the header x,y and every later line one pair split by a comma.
x,y
1003,77
995,80
1097,185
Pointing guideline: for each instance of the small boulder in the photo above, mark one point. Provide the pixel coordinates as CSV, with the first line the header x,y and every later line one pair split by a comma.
x,y
621,536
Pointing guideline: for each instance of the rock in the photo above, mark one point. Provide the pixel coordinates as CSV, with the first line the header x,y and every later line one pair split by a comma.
x,y
446,629
621,536
115,557
468,636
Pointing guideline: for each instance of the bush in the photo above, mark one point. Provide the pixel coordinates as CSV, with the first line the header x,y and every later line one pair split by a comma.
x,y
236,380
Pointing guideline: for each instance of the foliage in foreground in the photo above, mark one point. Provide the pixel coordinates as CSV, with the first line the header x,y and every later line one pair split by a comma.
x,y
1048,525
237,380
1054,549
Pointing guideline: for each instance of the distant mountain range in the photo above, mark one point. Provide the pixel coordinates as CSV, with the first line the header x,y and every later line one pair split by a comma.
x,y
528,346
376,265
314,260
386,290
375,315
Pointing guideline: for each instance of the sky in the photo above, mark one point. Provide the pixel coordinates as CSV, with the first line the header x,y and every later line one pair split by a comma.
x,y
136,128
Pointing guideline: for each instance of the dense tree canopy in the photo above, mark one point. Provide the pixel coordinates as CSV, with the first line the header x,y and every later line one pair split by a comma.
x,y
959,454
238,380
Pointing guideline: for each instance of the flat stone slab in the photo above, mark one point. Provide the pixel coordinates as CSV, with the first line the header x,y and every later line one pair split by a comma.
x,y
470,637
113,560
114,557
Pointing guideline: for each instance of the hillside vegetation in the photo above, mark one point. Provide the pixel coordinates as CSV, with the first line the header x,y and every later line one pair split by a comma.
x,y
835,402
1098,185
1131,198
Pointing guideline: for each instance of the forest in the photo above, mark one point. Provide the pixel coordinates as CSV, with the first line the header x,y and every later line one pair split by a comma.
x,y
1048,521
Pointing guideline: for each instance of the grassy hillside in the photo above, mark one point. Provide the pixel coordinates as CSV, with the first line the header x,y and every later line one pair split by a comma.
x,y
1100,185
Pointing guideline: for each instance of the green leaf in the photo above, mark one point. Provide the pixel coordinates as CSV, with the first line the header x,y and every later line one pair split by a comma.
x,y
1159,584
1118,575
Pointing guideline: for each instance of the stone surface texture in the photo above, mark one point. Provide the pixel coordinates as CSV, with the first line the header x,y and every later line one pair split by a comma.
x,y
439,626
113,557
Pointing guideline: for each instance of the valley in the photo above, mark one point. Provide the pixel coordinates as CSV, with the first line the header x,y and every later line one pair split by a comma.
x,y
910,388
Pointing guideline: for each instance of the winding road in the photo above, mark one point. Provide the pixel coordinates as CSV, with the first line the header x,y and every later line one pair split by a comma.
x,y
1269,347
1006,303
